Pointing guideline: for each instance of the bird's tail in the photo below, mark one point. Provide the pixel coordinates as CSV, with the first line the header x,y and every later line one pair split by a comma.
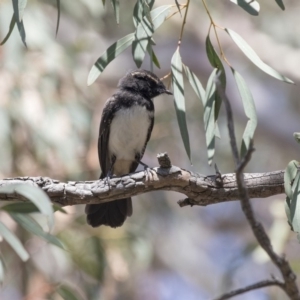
x,y
111,214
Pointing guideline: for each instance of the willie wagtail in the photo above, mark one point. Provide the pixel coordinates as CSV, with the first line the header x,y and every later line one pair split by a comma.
x,y
125,128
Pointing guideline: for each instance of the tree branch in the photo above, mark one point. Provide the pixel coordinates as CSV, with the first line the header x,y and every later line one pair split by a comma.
x,y
251,287
200,189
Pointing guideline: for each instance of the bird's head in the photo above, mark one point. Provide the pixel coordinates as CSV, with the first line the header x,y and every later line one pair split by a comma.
x,y
143,82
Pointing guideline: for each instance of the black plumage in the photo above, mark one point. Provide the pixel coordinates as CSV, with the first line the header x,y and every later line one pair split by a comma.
x,y
125,129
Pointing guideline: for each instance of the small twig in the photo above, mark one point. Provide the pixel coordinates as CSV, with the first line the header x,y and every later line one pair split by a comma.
x,y
251,287
183,22
164,160
215,26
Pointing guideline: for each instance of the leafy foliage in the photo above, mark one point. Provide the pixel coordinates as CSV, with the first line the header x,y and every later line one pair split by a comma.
x,y
18,212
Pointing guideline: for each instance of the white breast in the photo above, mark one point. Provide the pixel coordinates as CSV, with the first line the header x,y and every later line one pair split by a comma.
x,y
128,132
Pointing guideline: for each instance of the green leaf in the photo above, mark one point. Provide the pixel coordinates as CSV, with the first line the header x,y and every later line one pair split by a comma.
x,y
11,27
250,111
178,87
18,7
58,15
109,55
216,62
21,29
195,83
153,56
209,116
280,4
13,241
58,207
178,7
289,176
250,6
116,6
297,136
142,8
67,293
145,29
28,208
250,53
287,208
33,227
1,271
295,205
20,207
35,195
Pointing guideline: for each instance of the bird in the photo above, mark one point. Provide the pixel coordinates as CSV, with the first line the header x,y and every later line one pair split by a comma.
x,y
125,129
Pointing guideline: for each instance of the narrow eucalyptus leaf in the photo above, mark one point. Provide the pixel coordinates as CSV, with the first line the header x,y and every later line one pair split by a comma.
x,y
297,136
34,194
153,56
280,4
295,204
250,53
18,7
209,116
13,241
33,227
289,177
116,7
58,15
11,27
21,29
1,271
252,7
216,62
195,84
141,9
145,29
287,205
178,7
20,207
178,87
109,55
250,111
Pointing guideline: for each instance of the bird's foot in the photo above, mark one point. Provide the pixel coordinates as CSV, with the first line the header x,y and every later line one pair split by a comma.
x,y
149,173
107,178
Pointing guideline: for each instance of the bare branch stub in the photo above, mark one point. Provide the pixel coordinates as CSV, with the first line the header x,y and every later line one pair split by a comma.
x,y
164,160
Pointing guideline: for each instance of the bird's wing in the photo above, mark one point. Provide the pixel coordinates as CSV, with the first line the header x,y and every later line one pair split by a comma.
x,y
135,164
148,134
108,113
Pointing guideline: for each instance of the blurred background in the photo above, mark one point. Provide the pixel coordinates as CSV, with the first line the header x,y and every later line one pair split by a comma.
x,y
49,120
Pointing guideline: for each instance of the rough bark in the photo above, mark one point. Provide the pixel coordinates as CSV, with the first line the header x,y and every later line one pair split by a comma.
x,y
199,189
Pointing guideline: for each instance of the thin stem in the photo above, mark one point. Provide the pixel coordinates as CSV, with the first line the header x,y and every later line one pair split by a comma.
x,y
215,26
251,287
183,23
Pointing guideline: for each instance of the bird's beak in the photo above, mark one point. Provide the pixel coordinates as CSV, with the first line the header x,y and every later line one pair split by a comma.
x,y
168,92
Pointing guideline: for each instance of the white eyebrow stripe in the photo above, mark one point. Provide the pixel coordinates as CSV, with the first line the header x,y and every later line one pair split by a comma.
x,y
146,75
